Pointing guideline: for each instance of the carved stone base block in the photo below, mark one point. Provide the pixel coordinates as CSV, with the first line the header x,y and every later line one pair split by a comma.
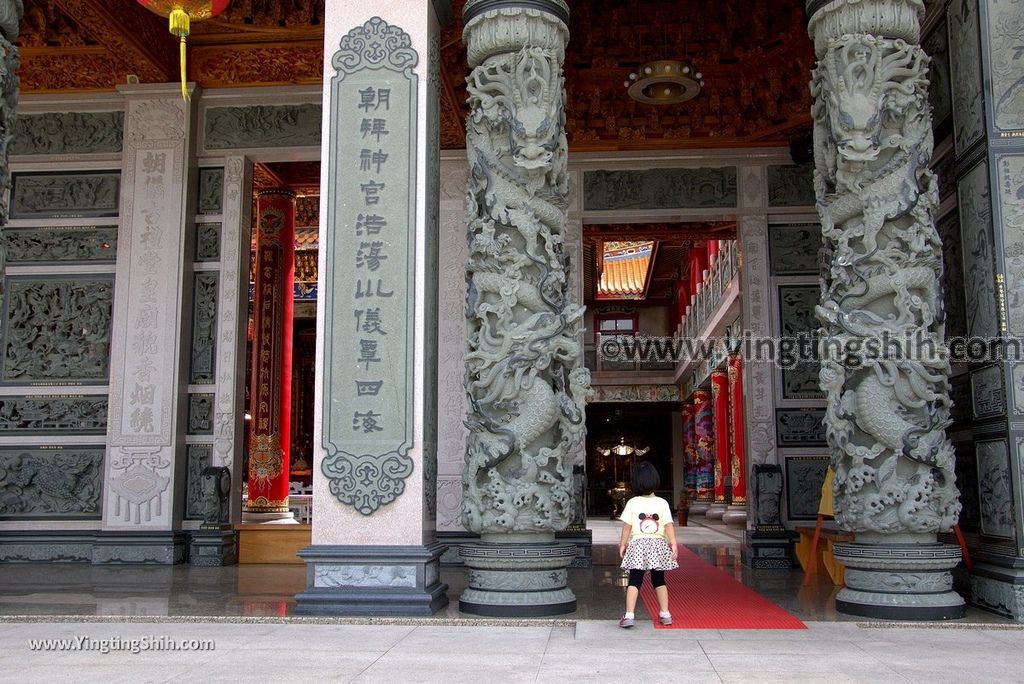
x,y
582,539
283,518
999,589
735,516
51,547
372,580
899,581
518,579
716,511
768,551
213,548
139,548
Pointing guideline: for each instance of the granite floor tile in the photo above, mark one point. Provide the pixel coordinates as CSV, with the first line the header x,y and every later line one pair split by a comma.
x,y
772,646
452,667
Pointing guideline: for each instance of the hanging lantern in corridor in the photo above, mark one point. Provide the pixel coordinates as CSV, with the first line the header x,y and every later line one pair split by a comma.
x,y
180,15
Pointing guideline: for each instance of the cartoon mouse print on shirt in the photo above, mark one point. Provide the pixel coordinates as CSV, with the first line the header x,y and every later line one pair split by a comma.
x,y
649,523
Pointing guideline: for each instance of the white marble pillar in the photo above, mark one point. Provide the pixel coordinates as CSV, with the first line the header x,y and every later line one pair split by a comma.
x,y
375,423
143,472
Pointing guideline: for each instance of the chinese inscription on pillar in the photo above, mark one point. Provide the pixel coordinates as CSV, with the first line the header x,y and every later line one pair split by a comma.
x,y
370,274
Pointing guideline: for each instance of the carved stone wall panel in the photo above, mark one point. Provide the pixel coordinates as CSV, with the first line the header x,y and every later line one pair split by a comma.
x,y
791,185
197,457
211,191
801,427
49,483
804,477
1005,44
797,320
258,126
995,489
940,94
65,133
203,370
43,415
660,189
988,393
61,244
953,276
965,68
56,329
207,242
1017,389
200,414
1010,198
979,253
795,249
65,195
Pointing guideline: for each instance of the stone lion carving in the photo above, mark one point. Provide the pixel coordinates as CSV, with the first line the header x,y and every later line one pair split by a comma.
x,y
886,416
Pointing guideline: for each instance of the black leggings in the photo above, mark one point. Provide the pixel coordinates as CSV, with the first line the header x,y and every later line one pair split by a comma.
x,y
636,578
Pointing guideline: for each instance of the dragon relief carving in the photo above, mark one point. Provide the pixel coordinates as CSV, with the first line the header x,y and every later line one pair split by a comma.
x,y
886,415
526,387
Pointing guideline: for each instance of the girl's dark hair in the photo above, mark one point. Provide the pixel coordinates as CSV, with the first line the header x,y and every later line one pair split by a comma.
x,y
645,478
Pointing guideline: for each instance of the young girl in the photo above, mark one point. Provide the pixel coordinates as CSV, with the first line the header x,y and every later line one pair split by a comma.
x,y
648,542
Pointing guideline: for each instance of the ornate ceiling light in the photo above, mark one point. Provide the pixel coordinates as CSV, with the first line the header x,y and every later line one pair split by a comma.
x,y
180,15
665,81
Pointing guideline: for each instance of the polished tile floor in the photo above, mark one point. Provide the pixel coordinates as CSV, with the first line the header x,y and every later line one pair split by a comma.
x,y
269,590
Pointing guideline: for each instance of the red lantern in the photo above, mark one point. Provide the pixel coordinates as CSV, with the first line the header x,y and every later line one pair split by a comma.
x,y
180,15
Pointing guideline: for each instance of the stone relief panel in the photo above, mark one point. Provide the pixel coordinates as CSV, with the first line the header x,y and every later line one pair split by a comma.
x,y
65,195
137,481
200,414
56,330
1010,174
791,185
804,478
260,126
796,319
979,253
660,189
53,415
198,457
988,395
61,244
800,427
945,173
50,483
995,489
337,575
965,68
795,249
1018,389
939,93
633,393
953,276
68,133
211,191
204,329
207,242
1006,47
960,394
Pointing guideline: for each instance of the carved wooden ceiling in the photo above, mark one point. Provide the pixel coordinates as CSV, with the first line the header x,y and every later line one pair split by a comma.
x,y
755,56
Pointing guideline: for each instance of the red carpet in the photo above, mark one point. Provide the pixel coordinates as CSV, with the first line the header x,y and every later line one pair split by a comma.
x,y
700,596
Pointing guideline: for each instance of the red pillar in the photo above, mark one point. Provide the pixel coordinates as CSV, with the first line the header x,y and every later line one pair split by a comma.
x,y
270,407
682,299
698,262
720,401
739,460
704,441
712,251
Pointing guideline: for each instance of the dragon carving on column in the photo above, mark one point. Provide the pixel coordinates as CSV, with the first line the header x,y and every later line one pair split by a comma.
x,y
886,416
526,387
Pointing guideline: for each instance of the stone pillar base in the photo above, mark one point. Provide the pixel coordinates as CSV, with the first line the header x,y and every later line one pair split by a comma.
x,y
999,589
716,511
699,508
899,581
153,548
372,580
285,518
518,579
213,547
735,516
768,550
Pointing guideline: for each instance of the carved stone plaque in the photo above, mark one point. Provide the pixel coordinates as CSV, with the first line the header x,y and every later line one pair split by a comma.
x,y
800,427
804,477
794,249
370,233
791,185
40,482
65,195
660,189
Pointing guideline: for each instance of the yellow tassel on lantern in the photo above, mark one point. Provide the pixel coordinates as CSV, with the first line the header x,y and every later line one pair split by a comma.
x,y
179,25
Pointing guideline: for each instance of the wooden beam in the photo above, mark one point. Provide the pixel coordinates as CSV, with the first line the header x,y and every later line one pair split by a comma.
x,y
133,35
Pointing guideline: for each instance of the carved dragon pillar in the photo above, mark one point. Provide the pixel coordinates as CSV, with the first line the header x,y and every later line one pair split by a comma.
x,y
525,383
886,415
10,17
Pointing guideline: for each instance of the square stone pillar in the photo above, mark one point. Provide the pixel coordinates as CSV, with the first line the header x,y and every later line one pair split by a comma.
x,y
144,469
374,546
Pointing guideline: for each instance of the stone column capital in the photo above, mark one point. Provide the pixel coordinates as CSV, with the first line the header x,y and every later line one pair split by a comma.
x,y
832,19
496,27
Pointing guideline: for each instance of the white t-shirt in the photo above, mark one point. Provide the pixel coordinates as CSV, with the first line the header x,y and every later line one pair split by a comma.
x,y
647,515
